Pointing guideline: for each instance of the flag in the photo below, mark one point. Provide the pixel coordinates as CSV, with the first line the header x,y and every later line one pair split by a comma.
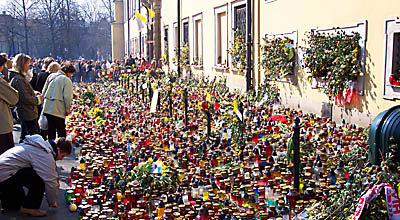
x,y
141,17
235,106
140,24
208,97
151,13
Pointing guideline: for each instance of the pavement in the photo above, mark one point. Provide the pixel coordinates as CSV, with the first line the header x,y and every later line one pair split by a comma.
x,y
60,213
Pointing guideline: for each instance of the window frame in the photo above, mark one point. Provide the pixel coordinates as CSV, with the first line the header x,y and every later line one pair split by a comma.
x,y
392,27
293,35
234,5
185,20
195,18
175,33
219,10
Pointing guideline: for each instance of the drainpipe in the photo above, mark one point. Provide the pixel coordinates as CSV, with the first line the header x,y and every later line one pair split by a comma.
x,y
179,38
248,46
140,35
128,16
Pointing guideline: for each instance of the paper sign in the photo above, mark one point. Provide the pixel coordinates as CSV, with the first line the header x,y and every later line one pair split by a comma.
x,y
239,115
156,167
154,101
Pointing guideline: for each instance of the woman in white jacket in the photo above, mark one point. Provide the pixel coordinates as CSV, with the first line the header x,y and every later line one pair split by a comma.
x,y
57,100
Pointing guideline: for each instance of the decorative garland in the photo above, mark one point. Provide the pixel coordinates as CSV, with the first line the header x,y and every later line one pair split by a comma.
x,y
277,57
238,51
333,58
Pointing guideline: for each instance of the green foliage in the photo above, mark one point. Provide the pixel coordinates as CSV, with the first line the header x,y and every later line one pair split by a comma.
x,y
165,57
238,50
277,57
333,58
87,98
184,61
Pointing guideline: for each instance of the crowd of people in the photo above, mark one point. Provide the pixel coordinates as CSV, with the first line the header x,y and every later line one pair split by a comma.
x,y
37,94
31,163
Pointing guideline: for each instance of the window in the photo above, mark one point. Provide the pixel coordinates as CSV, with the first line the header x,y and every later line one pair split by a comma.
x,y
292,78
240,18
221,35
186,32
392,62
197,40
221,38
165,37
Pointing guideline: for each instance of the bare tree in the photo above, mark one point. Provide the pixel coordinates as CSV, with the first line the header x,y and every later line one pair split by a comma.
x,y
59,28
22,10
93,11
49,15
109,6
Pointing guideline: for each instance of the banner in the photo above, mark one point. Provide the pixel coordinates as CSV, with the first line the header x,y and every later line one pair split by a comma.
x,y
392,201
154,101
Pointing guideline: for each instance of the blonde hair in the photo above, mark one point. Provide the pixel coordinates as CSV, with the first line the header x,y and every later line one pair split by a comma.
x,y
53,67
19,62
47,62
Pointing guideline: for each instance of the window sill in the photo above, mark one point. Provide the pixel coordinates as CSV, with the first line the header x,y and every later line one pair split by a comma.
x,y
238,72
221,69
198,67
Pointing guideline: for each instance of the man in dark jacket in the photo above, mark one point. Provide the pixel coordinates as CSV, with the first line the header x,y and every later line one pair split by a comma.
x,y
33,165
41,80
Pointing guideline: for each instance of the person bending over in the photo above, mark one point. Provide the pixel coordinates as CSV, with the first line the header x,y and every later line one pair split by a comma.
x,y
31,164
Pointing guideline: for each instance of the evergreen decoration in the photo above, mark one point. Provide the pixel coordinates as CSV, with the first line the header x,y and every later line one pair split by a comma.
x,y
277,57
334,58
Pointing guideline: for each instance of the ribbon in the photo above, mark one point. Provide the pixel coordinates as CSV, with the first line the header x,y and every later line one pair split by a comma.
x,y
392,201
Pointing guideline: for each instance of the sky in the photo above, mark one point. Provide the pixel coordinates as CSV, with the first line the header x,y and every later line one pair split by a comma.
x,y
3,4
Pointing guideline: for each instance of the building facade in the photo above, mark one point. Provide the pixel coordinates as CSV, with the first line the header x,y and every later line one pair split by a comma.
x,y
207,27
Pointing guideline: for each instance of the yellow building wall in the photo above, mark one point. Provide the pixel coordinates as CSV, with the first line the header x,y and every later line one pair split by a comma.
x,y
281,16
206,8
288,15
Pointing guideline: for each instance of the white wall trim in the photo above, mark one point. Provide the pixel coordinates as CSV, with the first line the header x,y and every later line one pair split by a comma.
x,y
218,10
294,36
195,18
392,27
